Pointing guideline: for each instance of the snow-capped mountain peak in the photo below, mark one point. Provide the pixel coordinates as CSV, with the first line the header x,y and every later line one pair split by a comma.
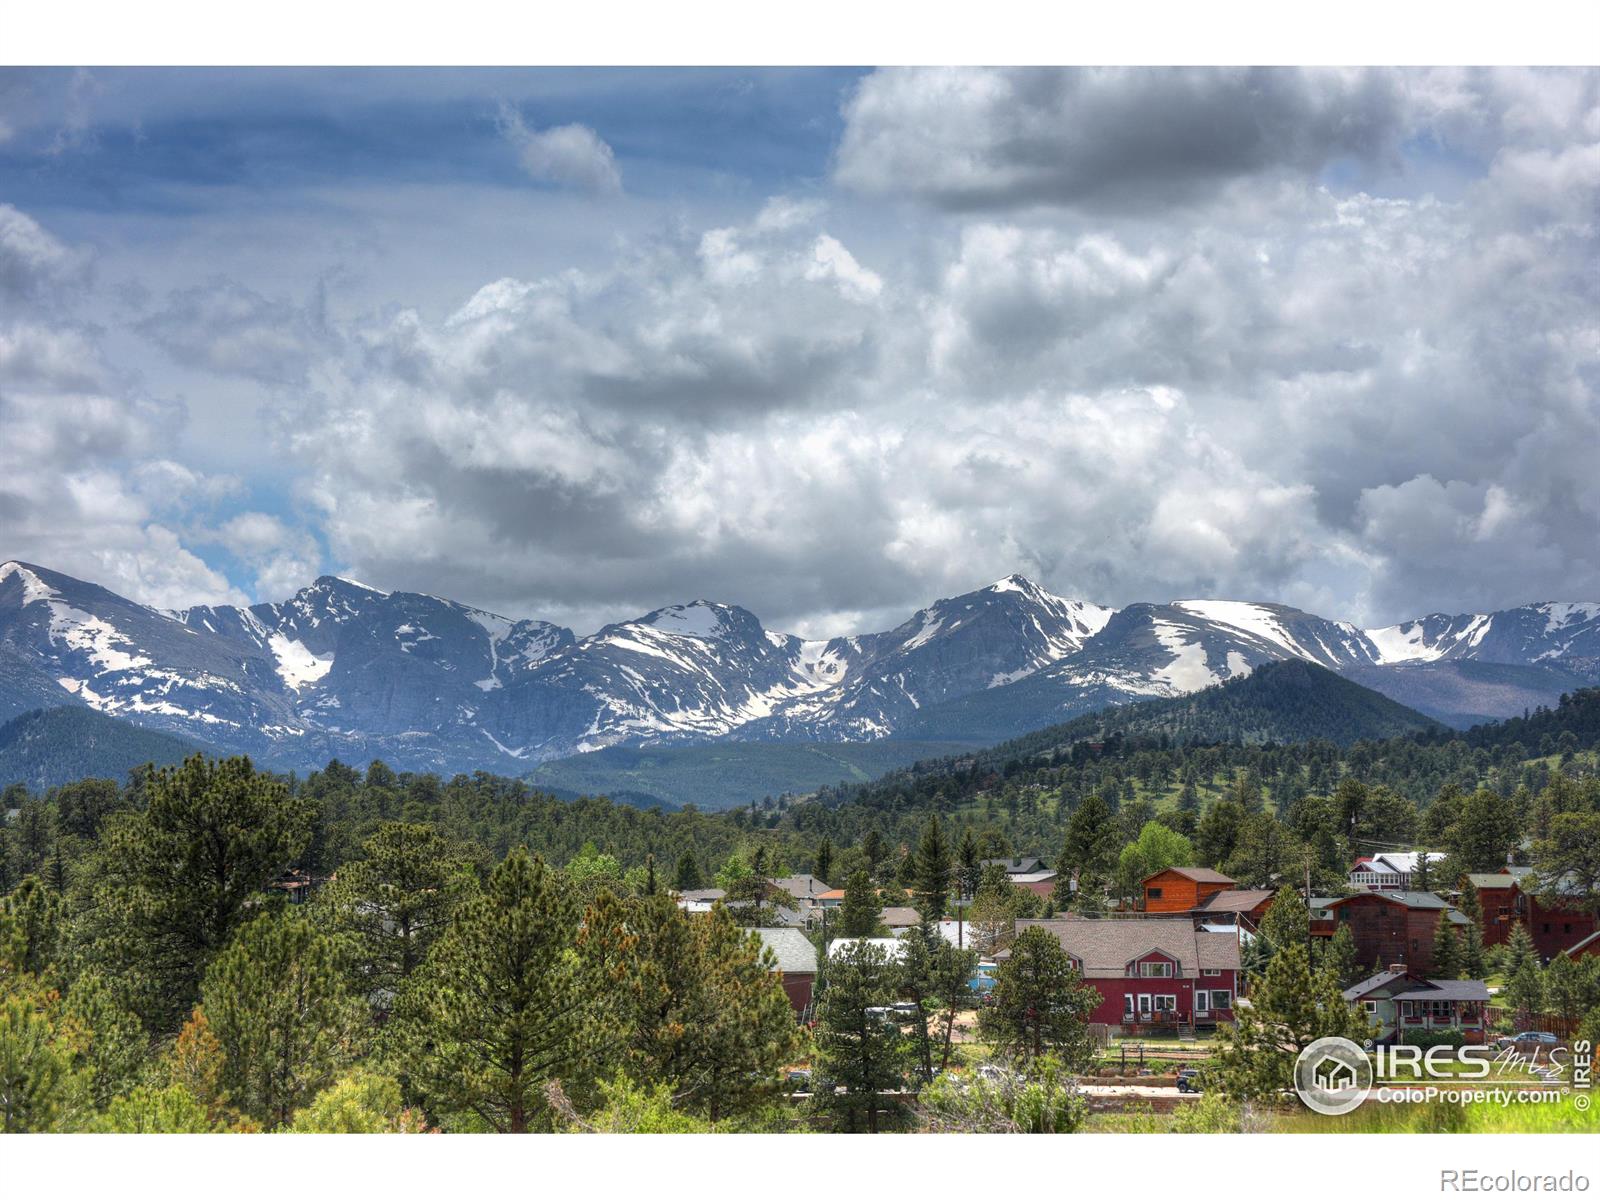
x,y
343,669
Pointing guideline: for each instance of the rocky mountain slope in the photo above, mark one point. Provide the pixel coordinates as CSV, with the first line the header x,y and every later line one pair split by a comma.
x,y
345,670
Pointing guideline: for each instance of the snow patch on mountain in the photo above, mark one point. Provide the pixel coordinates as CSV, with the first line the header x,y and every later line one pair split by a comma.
x,y
1253,620
297,666
1189,670
699,619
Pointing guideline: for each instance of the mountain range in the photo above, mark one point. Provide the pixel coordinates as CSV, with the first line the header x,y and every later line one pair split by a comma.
x,y
345,670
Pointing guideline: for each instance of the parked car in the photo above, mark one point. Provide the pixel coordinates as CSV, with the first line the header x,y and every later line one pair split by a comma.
x,y
1189,1080
1528,1039
798,1080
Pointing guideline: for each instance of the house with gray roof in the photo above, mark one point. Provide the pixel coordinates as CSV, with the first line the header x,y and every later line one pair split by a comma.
x,y
1401,1005
795,960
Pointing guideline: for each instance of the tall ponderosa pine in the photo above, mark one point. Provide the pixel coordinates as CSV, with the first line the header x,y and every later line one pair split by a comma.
x,y
693,1003
393,903
934,864
283,1014
861,1053
502,1005
170,885
1040,1004
1091,843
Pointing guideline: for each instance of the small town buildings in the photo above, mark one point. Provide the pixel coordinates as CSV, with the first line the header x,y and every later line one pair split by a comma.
x,y
796,963
1242,907
1151,972
700,900
803,893
1388,872
1183,889
1510,897
1018,866
1399,1003
899,919
1389,926
1040,883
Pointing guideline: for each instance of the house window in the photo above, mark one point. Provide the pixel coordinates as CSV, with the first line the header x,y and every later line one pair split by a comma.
x,y
1202,1003
1144,1004
1153,893
1371,1007
1155,970
1545,927
1221,999
1212,971
1127,1004
1441,1010
1166,1004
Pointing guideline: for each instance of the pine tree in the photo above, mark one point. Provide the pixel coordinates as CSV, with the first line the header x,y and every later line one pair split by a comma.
x,y
1474,963
860,1052
1091,842
32,912
695,1005
1287,923
1520,950
688,877
1039,1004
39,1091
1340,957
933,866
873,847
111,1044
170,886
858,912
823,865
501,1005
393,903
1290,1007
283,1015
1446,951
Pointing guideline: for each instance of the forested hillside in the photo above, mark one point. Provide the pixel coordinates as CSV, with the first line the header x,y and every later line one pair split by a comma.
x,y
49,747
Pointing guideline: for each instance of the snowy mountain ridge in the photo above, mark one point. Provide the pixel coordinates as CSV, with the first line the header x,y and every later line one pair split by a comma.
x,y
344,669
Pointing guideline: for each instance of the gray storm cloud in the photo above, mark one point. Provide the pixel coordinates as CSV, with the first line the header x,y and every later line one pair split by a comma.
x,y
1133,337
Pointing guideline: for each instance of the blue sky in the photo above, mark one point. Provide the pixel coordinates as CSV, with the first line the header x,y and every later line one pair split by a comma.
x,y
829,343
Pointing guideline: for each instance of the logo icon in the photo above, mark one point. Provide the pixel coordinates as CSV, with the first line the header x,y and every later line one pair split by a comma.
x,y
1332,1076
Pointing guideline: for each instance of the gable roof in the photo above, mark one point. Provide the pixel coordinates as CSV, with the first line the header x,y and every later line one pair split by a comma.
x,y
900,918
1496,882
801,886
1374,983
1106,946
1409,899
1197,874
1582,944
1016,866
793,950
1236,900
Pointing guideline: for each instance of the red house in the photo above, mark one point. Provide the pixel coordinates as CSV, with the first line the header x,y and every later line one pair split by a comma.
x,y
1182,889
1151,972
1390,927
1553,927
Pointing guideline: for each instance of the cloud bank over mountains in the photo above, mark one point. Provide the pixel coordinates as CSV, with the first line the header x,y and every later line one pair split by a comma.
x,y
1325,338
